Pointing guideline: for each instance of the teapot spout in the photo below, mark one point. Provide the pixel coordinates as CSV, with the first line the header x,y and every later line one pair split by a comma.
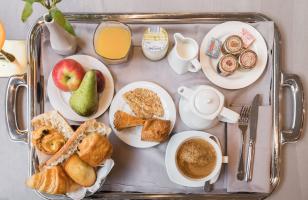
x,y
185,92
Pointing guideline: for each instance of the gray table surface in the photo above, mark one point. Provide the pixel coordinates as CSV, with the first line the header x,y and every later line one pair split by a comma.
x,y
289,15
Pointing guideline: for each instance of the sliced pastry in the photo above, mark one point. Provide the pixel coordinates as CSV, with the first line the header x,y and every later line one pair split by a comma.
x,y
155,130
144,103
124,120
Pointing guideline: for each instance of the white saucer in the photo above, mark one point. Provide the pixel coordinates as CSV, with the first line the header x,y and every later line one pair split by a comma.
x,y
60,100
170,159
132,136
239,79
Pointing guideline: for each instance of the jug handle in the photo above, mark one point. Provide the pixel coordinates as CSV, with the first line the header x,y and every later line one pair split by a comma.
x,y
195,65
228,115
185,92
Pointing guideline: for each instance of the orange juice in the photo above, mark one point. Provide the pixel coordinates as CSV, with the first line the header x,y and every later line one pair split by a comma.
x,y
2,36
112,42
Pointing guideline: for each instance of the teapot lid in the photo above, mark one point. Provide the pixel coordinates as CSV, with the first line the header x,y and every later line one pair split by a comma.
x,y
207,102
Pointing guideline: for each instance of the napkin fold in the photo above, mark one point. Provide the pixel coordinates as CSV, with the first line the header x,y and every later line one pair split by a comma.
x,y
261,169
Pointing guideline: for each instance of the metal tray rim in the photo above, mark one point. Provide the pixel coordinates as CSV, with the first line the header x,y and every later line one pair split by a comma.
x,y
33,51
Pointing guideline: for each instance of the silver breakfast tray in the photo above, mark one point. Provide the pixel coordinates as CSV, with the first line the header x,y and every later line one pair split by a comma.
x,y
33,81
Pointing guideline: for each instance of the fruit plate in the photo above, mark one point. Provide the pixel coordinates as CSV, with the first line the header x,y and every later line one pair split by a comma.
x,y
60,100
132,136
239,79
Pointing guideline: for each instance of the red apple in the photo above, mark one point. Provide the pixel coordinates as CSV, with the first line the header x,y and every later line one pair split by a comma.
x,y
68,74
100,79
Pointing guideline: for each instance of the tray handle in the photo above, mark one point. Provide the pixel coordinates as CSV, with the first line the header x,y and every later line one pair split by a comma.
x,y
294,83
13,86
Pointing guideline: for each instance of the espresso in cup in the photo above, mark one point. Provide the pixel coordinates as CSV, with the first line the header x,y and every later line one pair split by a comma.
x,y
196,158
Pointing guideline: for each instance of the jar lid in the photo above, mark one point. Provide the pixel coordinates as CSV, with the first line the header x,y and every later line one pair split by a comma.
x,y
207,102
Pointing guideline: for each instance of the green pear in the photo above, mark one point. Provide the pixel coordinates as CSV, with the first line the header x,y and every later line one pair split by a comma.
x,y
84,100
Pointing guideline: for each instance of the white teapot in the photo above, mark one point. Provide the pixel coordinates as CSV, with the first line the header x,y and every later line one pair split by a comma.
x,y
202,107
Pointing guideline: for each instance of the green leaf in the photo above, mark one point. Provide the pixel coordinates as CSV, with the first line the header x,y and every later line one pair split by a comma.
x,y
58,16
27,11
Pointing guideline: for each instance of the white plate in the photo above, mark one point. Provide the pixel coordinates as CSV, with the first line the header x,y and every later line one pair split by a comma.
x,y
132,136
60,100
170,159
239,79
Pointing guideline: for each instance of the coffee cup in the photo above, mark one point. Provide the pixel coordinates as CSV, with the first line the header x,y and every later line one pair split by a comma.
x,y
199,163
184,55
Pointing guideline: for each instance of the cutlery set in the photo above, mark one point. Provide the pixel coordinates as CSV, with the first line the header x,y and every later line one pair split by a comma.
x,y
248,119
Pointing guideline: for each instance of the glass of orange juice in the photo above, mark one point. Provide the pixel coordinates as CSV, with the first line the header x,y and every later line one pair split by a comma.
x,y
112,42
5,54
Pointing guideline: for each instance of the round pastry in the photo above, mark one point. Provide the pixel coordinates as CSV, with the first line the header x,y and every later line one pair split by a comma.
x,y
48,140
233,45
248,59
94,149
227,65
79,171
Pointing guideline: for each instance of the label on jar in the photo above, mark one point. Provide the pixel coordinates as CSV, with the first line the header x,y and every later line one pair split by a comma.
x,y
155,39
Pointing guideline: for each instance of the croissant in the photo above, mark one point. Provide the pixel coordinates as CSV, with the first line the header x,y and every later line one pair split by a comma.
x,y
124,120
51,180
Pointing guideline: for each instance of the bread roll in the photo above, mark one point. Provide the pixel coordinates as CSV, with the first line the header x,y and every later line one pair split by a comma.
x,y
79,171
94,149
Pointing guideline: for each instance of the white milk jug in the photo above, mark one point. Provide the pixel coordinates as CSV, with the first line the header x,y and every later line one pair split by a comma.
x,y
183,56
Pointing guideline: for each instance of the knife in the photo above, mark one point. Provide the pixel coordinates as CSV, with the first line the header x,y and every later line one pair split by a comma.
x,y
253,122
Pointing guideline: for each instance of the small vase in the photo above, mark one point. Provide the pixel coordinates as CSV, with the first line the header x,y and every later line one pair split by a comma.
x,y
61,41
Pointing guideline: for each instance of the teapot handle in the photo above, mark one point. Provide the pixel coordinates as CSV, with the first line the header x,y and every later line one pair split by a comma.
x,y
229,116
185,92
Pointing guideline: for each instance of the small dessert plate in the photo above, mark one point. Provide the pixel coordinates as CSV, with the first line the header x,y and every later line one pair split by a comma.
x,y
132,136
60,100
239,79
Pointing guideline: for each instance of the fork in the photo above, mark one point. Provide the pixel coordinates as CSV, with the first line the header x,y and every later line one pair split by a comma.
x,y
243,125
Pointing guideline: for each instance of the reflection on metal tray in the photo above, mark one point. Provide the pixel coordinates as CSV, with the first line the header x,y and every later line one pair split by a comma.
x,y
34,82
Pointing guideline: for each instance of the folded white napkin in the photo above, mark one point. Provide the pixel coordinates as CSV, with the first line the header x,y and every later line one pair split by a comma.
x,y
261,169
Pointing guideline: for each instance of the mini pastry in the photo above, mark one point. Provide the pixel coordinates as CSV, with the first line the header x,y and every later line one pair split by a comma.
x,y
144,103
79,171
227,65
247,38
54,120
52,181
233,45
124,120
248,59
94,149
213,48
70,147
47,140
155,130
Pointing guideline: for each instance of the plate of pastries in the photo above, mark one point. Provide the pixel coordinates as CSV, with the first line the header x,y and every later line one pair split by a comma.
x,y
233,55
71,162
142,114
